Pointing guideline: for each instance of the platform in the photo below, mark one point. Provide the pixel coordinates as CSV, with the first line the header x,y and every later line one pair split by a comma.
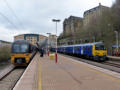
x,y
67,74
114,57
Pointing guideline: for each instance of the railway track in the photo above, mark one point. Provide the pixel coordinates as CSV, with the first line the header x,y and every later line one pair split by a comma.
x,y
6,71
10,79
111,63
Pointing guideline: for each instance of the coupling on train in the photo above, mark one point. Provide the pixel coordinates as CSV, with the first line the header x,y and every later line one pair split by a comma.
x,y
95,51
22,52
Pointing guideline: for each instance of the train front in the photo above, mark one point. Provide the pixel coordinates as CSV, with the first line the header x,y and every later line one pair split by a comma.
x,y
20,54
99,52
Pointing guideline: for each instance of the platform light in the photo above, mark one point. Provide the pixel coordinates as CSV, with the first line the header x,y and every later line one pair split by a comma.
x,y
56,21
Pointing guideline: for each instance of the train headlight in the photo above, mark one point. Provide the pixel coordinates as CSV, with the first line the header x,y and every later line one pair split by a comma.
x,y
13,54
27,54
96,53
105,53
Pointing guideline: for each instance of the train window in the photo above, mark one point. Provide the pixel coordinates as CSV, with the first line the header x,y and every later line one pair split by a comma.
x,y
88,48
99,47
24,48
18,48
77,48
84,48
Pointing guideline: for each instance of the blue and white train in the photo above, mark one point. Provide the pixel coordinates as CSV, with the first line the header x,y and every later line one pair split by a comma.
x,y
95,51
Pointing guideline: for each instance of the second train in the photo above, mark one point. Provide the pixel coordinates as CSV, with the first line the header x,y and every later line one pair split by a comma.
x,y
95,51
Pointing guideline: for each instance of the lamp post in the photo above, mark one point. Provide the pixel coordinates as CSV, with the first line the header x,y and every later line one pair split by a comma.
x,y
117,42
56,21
48,42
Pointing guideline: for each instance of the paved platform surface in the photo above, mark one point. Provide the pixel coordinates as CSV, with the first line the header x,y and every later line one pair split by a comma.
x,y
67,74
114,57
70,75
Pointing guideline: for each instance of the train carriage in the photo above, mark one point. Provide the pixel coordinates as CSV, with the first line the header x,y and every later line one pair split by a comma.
x,y
22,52
95,50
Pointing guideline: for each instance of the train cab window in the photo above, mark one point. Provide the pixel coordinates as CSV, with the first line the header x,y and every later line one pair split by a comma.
x,y
24,48
100,47
18,48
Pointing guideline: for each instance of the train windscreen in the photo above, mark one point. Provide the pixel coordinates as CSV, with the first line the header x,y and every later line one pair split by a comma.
x,y
100,47
20,48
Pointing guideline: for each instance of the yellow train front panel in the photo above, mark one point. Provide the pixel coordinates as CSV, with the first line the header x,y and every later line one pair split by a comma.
x,y
99,52
20,59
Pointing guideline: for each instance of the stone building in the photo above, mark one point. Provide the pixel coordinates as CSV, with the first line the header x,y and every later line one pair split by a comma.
x,y
33,38
94,13
71,26
52,40
18,37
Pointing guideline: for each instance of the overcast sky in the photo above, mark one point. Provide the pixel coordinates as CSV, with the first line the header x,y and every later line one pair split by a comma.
x,y
35,16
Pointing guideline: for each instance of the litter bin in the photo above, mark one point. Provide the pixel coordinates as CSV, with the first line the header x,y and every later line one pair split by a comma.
x,y
52,56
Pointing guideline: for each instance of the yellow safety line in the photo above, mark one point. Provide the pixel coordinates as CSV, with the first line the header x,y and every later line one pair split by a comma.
x,y
40,77
102,73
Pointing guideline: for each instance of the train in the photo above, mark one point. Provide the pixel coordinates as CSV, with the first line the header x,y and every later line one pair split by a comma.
x,y
22,52
93,51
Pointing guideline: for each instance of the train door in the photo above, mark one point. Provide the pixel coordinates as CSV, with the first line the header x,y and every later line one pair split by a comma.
x,y
88,50
81,50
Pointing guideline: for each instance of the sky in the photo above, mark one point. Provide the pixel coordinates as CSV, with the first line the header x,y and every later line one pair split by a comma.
x,y
35,16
